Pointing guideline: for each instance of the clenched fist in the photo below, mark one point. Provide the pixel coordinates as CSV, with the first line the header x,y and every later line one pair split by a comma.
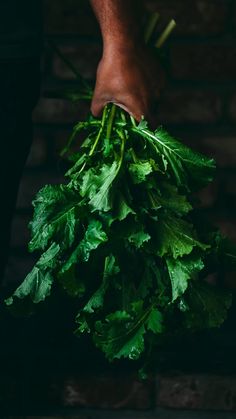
x,y
131,78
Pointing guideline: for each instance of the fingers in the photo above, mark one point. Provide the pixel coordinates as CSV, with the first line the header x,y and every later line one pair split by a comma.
x,y
137,104
138,112
133,111
128,104
97,106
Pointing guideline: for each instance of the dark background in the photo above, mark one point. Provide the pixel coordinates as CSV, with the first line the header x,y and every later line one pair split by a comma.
x,y
198,106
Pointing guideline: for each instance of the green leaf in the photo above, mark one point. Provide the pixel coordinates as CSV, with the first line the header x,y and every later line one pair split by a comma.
x,y
73,285
81,125
119,337
207,304
199,168
187,166
89,183
122,335
169,198
48,259
135,234
83,326
175,237
54,217
139,171
155,321
122,209
93,237
150,280
146,282
181,271
97,187
134,347
110,270
80,160
111,267
37,285
139,238
143,124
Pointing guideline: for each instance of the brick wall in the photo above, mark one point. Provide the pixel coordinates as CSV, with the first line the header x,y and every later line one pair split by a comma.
x,y
198,106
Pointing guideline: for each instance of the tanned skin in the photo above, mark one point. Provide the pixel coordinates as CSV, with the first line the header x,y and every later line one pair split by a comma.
x,y
127,74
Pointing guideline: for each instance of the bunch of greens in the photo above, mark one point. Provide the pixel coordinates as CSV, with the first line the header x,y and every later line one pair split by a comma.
x,y
122,239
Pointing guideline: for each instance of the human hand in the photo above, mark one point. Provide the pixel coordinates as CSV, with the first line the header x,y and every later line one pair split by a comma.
x,y
131,78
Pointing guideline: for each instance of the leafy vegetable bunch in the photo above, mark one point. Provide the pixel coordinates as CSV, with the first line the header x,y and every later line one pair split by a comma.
x,y
122,239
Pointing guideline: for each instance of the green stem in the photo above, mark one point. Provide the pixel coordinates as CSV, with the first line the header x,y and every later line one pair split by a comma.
x,y
154,139
111,120
87,96
165,34
69,94
122,135
123,116
77,128
68,145
133,122
151,26
104,115
122,148
134,156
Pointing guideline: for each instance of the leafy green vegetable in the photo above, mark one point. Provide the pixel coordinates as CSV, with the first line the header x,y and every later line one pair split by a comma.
x,y
120,238
186,165
93,237
181,271
97,299
207,306
140,170
176,237
55,215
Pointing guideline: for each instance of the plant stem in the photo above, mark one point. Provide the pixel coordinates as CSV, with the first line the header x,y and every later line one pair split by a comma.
x,y
122,148
110,121
123,117
133,122
104,115
75,99
67,147
165,34
97,138
151,26
134,156
77,128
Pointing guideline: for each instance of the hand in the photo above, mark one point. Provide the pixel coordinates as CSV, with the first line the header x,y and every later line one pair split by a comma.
x,y
131,78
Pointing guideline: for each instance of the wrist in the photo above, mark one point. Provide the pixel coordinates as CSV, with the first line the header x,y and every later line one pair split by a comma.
x,y
122,45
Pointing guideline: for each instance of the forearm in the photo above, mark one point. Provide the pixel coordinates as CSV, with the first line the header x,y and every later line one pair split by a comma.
x,y
119,21
127,74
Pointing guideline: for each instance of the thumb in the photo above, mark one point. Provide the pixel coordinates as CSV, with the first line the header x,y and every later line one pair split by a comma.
x,y
97,106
